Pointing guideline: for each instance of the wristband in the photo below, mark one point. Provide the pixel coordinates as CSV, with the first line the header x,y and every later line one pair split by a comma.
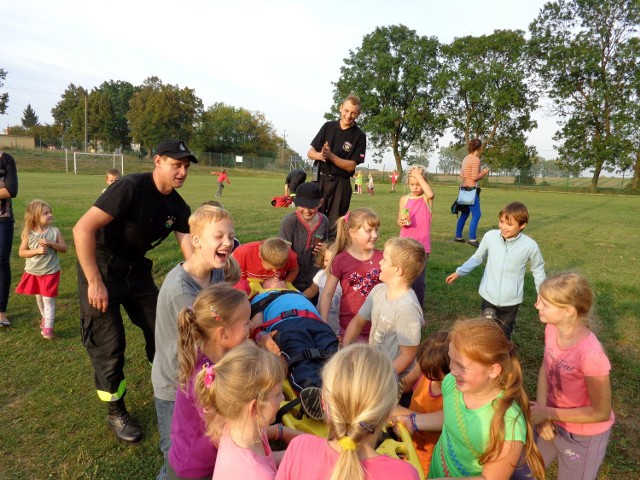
x,y
259,335
279,430
414,425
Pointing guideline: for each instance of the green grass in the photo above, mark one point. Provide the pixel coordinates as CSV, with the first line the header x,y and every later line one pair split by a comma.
x,y
52,424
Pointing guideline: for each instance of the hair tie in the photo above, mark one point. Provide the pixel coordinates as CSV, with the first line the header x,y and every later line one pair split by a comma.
x,y
209,374
370,429
346,217
214,313
347,444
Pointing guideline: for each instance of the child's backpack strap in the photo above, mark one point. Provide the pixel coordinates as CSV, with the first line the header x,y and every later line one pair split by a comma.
x,y
265,301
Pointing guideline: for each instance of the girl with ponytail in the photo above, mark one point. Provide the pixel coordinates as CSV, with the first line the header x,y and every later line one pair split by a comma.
x,y
486,432
359,389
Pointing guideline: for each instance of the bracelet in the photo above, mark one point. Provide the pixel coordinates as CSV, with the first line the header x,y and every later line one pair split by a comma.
x,y
279,430
259,335
414,425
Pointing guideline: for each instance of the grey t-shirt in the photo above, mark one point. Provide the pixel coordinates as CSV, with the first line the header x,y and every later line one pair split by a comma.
x,y
178,290
394,323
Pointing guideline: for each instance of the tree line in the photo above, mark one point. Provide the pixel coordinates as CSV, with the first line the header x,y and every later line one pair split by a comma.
x,y
581,62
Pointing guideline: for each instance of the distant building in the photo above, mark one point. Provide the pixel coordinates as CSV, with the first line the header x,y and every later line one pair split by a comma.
x,y
17,141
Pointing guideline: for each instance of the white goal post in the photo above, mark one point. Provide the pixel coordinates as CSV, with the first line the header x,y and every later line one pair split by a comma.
x,y
97,163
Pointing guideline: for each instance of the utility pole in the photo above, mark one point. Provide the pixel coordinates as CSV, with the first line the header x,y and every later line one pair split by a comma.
x,y
284,142
85,124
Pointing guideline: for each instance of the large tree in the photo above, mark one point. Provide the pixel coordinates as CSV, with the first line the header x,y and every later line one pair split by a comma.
x,y
69,115
396,73
158,111
108,107
227,129
29,117
490,95
579,46
4,97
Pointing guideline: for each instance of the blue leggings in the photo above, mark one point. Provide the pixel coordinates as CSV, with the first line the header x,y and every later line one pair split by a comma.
x,y
476,213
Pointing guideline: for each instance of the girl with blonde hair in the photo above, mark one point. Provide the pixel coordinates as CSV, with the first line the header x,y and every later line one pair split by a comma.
x,y
359,389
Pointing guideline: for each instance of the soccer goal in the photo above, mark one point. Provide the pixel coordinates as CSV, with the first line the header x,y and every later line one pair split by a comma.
x,y
96,163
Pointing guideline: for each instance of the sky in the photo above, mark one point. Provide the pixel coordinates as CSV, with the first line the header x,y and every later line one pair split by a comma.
x,y
277,57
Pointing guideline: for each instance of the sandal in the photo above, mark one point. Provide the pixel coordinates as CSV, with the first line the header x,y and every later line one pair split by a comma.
x,y
311,402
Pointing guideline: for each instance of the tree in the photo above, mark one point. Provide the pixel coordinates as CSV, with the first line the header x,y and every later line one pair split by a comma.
x,y
451,159
579,46
68,115
490,95
29,117
4,97
396,73
227,129
108,107
158,111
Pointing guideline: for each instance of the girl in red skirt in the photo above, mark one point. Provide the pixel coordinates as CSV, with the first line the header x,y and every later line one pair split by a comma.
x,y
41,243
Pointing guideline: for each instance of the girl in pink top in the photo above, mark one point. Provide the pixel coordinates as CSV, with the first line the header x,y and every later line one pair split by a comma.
x,y
573,408
359,389
241,395
414,217
355,265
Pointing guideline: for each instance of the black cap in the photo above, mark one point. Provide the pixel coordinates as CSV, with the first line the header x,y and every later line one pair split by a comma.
x,y
308,195
175,149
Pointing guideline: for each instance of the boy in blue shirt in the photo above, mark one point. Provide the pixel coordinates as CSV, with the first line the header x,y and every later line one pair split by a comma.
x,y
507,251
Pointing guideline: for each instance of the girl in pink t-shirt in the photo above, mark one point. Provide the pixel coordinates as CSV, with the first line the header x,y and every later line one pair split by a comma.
x,y
240,396
359,388
414,217
573,409
355,265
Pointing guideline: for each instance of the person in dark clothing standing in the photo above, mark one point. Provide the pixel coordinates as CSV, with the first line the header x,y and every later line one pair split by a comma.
x,y
112,238
8,190
338,148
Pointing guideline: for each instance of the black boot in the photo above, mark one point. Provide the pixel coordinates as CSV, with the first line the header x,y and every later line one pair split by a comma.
x,y
120,423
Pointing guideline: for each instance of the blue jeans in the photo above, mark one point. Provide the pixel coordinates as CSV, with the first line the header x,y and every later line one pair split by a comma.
x,y
6,241
476,213
164,412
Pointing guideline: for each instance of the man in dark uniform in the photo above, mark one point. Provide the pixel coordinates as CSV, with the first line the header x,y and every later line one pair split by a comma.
x,y
130,218
338,147
295,178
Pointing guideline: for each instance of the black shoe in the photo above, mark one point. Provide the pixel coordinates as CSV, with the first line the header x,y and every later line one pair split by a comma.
x,y
474,243
459,240
120,423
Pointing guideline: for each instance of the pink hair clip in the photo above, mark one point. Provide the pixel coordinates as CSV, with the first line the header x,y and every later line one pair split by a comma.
x,y
209,374
214,314
346,217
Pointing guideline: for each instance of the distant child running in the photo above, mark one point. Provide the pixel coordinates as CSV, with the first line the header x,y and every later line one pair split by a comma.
x,y
355,266
40,245
241,395
391,308
414,218
306,230
485,419
359,389
323,260
507,251
112,175
433,362
217,322
222,177
573,405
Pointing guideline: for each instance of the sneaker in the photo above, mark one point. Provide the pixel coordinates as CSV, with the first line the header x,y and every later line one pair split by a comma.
x,y
459,240
47,333
474,243
42,324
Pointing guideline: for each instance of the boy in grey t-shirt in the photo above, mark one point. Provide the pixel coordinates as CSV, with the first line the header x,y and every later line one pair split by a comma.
x,y
392,307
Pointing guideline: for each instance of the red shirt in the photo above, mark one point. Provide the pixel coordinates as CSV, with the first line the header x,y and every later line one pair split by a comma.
x,y
250,262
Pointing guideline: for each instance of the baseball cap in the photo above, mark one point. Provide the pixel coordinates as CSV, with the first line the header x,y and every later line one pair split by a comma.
x,y
308,195
175,149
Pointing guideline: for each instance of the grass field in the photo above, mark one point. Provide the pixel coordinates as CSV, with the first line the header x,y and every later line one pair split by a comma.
x,y
52,424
